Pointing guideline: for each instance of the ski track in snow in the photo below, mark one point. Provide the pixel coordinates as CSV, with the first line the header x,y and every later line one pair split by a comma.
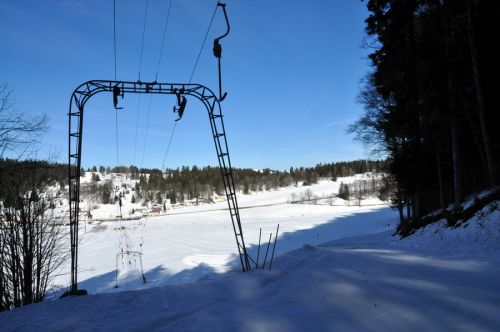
x,y
339,269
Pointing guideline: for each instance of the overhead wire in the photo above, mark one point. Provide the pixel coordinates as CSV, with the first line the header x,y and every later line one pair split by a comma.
x,y
116,110
116,134
163,39
114,32
137,125
143,34
140,68
156,77
120,244
190,79
149,108
139,98
168,146
202,45
146,131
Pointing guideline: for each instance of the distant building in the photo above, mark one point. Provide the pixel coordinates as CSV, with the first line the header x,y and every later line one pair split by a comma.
x,y
155,209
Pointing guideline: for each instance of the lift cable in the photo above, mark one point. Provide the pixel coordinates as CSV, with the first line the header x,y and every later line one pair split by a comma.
x,y
140,68
149,110
137,125
116,132
146,131
168,146
163,39
190,79
143,34
203,44
114,32
156,77
116,109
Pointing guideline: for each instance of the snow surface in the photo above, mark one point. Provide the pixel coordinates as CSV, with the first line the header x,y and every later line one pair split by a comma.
x,y
191,242
347,273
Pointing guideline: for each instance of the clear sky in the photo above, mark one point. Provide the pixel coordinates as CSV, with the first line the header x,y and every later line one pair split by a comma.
x,y
291,69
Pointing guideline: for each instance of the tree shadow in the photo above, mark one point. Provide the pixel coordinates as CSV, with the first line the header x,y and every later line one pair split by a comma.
x,y
155,277
342,226
339,227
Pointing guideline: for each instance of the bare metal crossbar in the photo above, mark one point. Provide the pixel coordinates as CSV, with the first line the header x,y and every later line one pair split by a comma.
x,y
76,110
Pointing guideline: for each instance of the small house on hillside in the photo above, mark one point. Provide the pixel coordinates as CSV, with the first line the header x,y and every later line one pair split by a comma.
x,y
155,209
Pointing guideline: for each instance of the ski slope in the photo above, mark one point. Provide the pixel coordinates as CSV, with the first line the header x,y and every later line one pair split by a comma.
x,y
439,279
194,242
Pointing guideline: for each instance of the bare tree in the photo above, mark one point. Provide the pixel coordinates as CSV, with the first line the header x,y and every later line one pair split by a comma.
x,y
308,195
30,235
18,131
31,241
90,194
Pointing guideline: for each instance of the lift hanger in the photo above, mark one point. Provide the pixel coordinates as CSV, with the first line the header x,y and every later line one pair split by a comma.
x,y
218,50
181,103
117,92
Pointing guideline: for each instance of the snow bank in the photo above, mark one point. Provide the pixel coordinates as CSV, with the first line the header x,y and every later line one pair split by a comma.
x,y
479,234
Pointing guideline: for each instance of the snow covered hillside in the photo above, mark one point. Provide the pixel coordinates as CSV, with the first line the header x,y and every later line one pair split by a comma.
x,y
339,269
192,242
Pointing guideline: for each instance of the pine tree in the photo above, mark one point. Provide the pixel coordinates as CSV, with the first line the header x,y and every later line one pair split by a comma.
x,y
105,194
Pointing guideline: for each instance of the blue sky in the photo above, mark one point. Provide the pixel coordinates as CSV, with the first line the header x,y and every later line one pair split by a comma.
x,y
291,69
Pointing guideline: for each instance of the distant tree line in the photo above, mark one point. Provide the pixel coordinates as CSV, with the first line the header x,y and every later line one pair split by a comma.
x,y
430,100
194,182
187,182
42,172
183,183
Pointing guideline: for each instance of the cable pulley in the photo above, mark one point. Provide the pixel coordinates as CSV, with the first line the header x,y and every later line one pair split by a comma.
x,y
218,50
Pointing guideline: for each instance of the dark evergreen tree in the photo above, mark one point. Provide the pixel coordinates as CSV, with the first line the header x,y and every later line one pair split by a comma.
x,y
95,177
429,100
106,194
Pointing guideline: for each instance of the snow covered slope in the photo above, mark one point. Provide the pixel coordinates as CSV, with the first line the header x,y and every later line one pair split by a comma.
x,y
367,283
190,243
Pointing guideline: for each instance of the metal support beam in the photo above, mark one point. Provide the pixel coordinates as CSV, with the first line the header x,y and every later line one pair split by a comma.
x,y
76,111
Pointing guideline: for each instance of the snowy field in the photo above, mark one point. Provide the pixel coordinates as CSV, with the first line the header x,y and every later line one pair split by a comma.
x,y
339,269
193,242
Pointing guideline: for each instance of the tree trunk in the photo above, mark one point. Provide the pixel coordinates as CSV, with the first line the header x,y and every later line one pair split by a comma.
x,y
27,257
440,180
401,215
491,167
416,88
14,262
457,176
3,285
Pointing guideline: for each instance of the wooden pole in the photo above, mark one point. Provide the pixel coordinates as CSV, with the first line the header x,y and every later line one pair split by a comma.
x,y
274,247
258,250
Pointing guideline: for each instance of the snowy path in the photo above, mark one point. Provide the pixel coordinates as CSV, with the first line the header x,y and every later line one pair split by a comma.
x,y
369,283
338,269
